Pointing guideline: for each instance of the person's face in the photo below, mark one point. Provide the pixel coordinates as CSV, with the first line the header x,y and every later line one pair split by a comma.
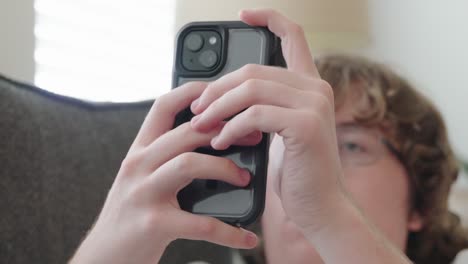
x,y
375,179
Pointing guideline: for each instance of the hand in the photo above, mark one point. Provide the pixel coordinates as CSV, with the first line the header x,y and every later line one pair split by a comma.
x,y
141,215
298,107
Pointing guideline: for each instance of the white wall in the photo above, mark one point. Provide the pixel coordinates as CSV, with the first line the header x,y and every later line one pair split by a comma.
x,y
427,41
17,39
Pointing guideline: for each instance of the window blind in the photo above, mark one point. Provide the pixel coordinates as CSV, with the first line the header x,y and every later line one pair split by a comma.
x,y
103,50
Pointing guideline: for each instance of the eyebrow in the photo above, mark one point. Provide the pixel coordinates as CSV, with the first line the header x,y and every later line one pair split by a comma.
x,y
349,124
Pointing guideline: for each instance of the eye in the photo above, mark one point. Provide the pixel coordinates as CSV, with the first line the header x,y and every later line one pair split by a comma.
x,y
351,147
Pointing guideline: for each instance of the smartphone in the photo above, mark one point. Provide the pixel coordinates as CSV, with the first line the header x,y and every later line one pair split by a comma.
x,y
205,51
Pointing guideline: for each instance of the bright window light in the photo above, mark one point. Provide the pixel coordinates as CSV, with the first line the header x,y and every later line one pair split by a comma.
x,y
102,50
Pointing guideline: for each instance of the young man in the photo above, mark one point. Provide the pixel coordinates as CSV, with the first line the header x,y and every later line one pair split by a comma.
x,y
371,143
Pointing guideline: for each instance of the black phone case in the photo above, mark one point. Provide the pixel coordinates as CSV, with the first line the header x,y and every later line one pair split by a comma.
x,y
273,57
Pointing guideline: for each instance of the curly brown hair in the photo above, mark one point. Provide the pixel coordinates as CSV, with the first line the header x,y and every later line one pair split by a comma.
x,y
418,130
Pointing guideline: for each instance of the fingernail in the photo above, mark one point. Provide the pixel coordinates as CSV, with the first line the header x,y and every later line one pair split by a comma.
x,y
214,141
194,105
194,120
251,239
245,175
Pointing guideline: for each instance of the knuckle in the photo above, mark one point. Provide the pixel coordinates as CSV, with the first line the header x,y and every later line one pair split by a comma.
x,y
216,104
321,98
254,112
163,102
207,228
296,29
133,195
184,162
228,165
211,91
322,104
249,70
185,129
131,163
231,164
151,222
250,88
326,89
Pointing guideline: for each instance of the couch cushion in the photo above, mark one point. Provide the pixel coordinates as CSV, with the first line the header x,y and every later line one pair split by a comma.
x,y
58,159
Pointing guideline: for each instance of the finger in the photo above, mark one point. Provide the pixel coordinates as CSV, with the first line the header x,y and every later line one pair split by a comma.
x,y
160,118
173,143
251,92
252,71
293,41
250,140
183,139
265,118
196,227
177,173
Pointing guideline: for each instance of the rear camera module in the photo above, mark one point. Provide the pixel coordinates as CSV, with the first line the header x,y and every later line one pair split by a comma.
x,y
194,42
202,50
212,40
208,58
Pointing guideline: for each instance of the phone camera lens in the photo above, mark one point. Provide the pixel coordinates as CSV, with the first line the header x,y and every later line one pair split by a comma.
x,y
194,42
212,40
208,58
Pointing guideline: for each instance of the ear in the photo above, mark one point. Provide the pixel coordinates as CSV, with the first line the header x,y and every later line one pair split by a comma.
x,y
415,222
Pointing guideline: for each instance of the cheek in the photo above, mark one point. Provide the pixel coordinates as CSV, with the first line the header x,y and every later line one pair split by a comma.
x,y
381,191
